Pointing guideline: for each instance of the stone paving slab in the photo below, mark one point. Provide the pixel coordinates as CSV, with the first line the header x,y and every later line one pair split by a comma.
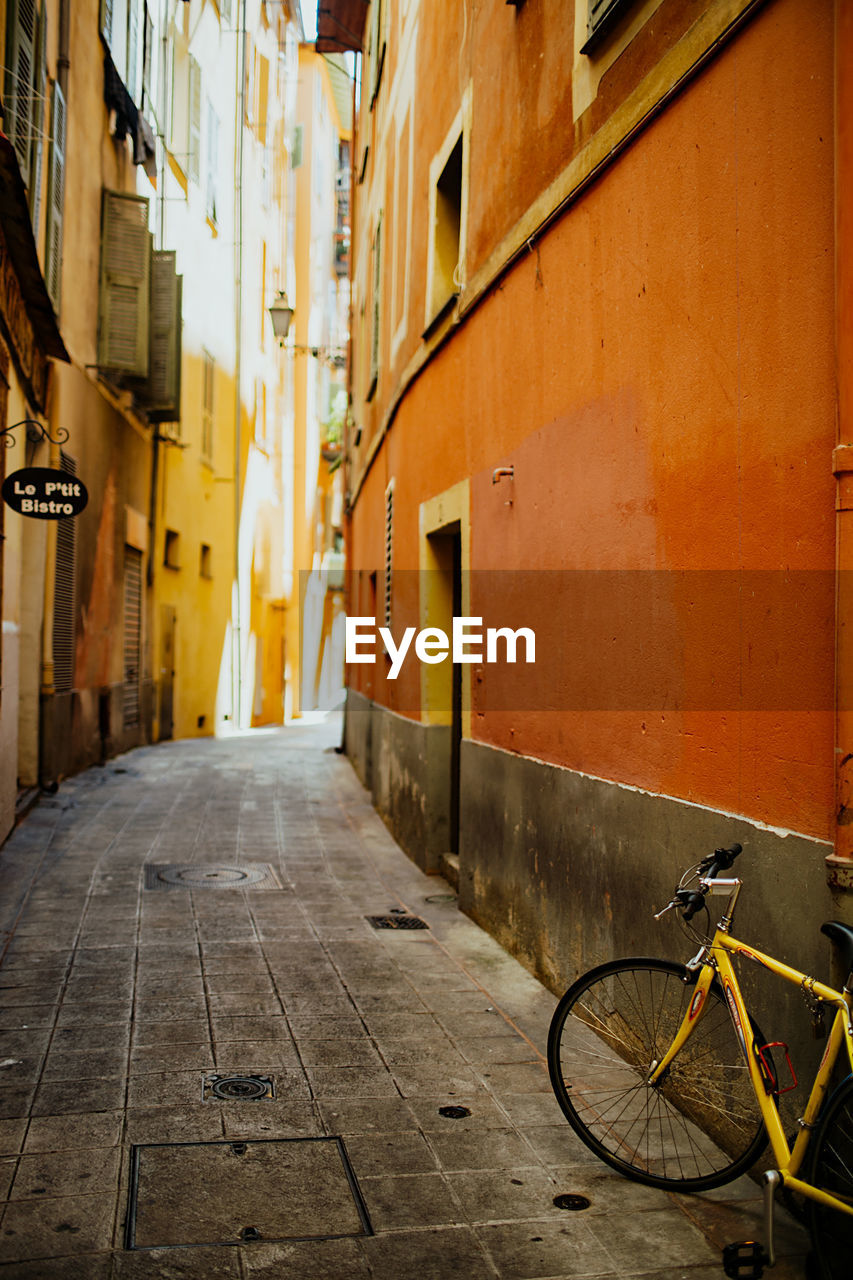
x,y
117,1001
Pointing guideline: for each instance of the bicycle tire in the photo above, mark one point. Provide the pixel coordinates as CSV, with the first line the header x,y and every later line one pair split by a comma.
x,y
831,1169
607,1030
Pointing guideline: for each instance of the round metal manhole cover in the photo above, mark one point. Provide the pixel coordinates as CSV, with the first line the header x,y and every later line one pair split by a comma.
x,y
570,1201
240,1087
210,877
454,1113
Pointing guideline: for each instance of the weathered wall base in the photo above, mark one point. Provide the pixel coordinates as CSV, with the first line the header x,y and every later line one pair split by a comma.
x,y
566,871
406,767
86,727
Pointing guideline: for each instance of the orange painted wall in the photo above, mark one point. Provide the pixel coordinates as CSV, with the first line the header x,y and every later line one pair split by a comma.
x,y
660,372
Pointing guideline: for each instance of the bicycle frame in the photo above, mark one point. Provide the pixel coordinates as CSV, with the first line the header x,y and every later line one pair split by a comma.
x,y
716,962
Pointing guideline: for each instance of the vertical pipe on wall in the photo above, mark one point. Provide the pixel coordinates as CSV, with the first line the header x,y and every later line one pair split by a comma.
x,y
237,674
840,862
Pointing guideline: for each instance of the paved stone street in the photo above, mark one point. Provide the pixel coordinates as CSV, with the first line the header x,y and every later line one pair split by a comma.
x,y
127,994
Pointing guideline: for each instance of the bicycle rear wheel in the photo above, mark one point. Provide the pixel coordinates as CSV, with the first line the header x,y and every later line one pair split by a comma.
x,y
831,1169
700,1125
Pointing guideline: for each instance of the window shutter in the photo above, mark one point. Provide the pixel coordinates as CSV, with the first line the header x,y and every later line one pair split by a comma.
x,y
125,276
19,83
212,160
194,139
376,46
133,49
38,121
162,392
296,148
375,318
132,635
55,198
107,20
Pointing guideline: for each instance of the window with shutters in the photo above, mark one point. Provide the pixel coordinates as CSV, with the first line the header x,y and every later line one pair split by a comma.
x,y
55,197
123,317
24,84
132,634
186,100
63,594
122,25
208,380
603,16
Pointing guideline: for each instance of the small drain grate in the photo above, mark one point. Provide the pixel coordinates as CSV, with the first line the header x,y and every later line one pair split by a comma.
x,y
398,921
454,1113
247,1088
213,875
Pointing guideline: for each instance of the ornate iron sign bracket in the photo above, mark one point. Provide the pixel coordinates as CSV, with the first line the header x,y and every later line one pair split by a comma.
x,y
36,433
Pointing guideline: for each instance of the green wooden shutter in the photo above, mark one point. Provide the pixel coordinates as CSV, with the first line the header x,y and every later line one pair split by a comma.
x,y
55,198
194,139
20,66
162,393
125,283
38,121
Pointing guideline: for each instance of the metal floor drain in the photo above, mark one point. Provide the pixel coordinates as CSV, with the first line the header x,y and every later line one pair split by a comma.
x,y
248,1088
233,1193
399,920
211,875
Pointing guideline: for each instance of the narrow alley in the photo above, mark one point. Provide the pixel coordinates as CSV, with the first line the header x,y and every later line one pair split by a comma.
x,y
391,1114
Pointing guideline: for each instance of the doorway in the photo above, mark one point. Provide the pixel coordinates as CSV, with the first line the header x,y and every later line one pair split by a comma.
x,y
442,688
166,720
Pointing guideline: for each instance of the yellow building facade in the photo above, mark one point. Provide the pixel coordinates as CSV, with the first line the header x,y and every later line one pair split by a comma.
x,y
150,161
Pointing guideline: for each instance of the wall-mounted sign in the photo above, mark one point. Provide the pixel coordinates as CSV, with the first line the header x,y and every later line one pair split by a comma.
x,y
44,493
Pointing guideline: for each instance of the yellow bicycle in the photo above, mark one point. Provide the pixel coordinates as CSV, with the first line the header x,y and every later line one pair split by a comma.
x,y
662,1072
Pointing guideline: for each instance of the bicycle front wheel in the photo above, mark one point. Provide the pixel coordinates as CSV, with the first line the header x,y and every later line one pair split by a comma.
x,y
831,1169
700,1124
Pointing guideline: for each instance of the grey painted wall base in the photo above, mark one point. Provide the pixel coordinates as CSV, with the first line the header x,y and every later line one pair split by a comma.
x,y
566,871
406,767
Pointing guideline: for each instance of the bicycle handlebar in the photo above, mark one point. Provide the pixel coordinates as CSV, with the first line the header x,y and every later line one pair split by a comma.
x,y
709,868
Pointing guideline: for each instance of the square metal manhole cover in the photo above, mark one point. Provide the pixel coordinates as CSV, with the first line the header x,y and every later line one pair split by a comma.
x,y
210,875
198,1193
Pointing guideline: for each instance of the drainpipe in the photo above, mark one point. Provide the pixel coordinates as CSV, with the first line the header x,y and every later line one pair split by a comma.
x,y
47,690
840,862
237,675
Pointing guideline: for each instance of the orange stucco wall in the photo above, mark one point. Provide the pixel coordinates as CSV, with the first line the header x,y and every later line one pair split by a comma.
x,y
660,372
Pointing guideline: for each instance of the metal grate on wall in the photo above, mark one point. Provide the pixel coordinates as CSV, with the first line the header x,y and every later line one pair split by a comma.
x,y
63,594
132,634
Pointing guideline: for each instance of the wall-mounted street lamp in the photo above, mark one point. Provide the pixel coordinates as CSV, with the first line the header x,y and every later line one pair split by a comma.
x,y
281,314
